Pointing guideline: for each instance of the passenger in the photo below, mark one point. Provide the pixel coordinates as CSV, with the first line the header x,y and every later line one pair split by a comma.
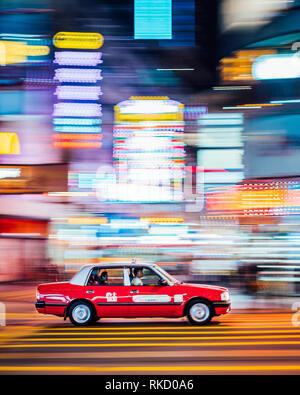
x,y
98,278
103,278
94,277
138,273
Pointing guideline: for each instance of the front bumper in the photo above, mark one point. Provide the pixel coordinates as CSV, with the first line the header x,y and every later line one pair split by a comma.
x,y
222,307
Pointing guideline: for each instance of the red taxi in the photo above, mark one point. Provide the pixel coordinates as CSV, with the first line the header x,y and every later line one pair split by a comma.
x,y
130,291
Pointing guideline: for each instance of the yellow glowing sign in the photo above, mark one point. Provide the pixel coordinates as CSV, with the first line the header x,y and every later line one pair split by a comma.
x,y
238,67
12,52
9,144
87,221
78,40
167,115
149,98
37,50
162,220
17,52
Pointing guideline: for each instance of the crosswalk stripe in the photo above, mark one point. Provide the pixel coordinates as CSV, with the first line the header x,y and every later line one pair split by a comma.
x,y
152,344
50,339
198,353
185,327
150,332
151,368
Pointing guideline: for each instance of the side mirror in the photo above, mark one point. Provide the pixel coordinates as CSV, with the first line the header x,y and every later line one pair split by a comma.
x,y
162,282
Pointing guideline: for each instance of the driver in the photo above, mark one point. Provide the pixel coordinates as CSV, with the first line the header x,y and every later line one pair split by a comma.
x,y
138,273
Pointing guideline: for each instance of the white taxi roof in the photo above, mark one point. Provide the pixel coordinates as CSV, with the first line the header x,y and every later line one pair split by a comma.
x,y
80,277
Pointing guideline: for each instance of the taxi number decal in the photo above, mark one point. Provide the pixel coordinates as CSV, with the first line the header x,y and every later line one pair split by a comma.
x,y
151,298
111,297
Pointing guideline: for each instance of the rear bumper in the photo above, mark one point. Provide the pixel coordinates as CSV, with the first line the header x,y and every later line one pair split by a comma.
x,y
222,307
40,307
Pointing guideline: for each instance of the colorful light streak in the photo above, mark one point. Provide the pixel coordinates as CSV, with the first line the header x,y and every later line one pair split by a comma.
x,y
258,198
76,144
77,121
78,129
87,220
77,136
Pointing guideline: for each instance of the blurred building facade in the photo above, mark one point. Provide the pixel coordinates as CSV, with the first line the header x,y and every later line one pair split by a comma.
x,y
230,158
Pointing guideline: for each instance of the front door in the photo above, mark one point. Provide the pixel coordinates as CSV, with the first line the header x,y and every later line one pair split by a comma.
x,y
151,298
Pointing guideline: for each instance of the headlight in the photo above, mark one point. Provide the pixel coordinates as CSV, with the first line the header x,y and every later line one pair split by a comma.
x,y
225,296
37,294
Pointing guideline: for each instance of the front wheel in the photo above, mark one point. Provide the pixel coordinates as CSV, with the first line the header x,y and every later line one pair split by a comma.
x,y
199,312
81,314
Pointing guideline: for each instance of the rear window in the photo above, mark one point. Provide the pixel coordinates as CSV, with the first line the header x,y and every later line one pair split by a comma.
x,y
106,276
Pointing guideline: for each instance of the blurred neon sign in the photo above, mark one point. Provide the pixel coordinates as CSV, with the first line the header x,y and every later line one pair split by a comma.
x,y
276,67
77,112
149,155
78,40
66,92
10,172
149,109
73,58
78,75
17,52
152,19
9,144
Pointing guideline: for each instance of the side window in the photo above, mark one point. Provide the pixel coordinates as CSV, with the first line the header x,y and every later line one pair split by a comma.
x,y
143,276
106,276
150,277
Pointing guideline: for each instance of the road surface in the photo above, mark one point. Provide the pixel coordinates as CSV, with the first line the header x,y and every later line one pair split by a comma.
x,y
246,341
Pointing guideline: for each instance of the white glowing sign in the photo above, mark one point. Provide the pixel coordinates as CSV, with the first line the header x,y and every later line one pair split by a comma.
x,y
77,110
66,92
76,58
10,173
78,75
149,156
276,67
148,107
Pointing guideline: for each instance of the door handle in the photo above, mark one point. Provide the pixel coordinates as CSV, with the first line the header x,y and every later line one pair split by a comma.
x,y
90,292
135,291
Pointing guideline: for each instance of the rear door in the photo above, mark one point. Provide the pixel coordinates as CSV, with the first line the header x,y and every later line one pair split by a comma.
x,y
110,297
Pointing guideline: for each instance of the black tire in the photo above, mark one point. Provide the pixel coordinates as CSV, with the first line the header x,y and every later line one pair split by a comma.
x,y
81,313
199,312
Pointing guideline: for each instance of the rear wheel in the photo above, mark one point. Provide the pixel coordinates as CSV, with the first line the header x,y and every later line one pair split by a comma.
x,y
81,313
199,312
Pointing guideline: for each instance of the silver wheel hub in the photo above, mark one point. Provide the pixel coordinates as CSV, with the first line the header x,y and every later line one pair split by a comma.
x,y
199,312
81,313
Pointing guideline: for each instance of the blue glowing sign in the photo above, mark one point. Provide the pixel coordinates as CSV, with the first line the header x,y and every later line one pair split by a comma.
x,y
153,19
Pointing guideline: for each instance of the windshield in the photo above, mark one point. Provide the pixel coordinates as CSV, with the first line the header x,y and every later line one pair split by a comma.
x,y
166,274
